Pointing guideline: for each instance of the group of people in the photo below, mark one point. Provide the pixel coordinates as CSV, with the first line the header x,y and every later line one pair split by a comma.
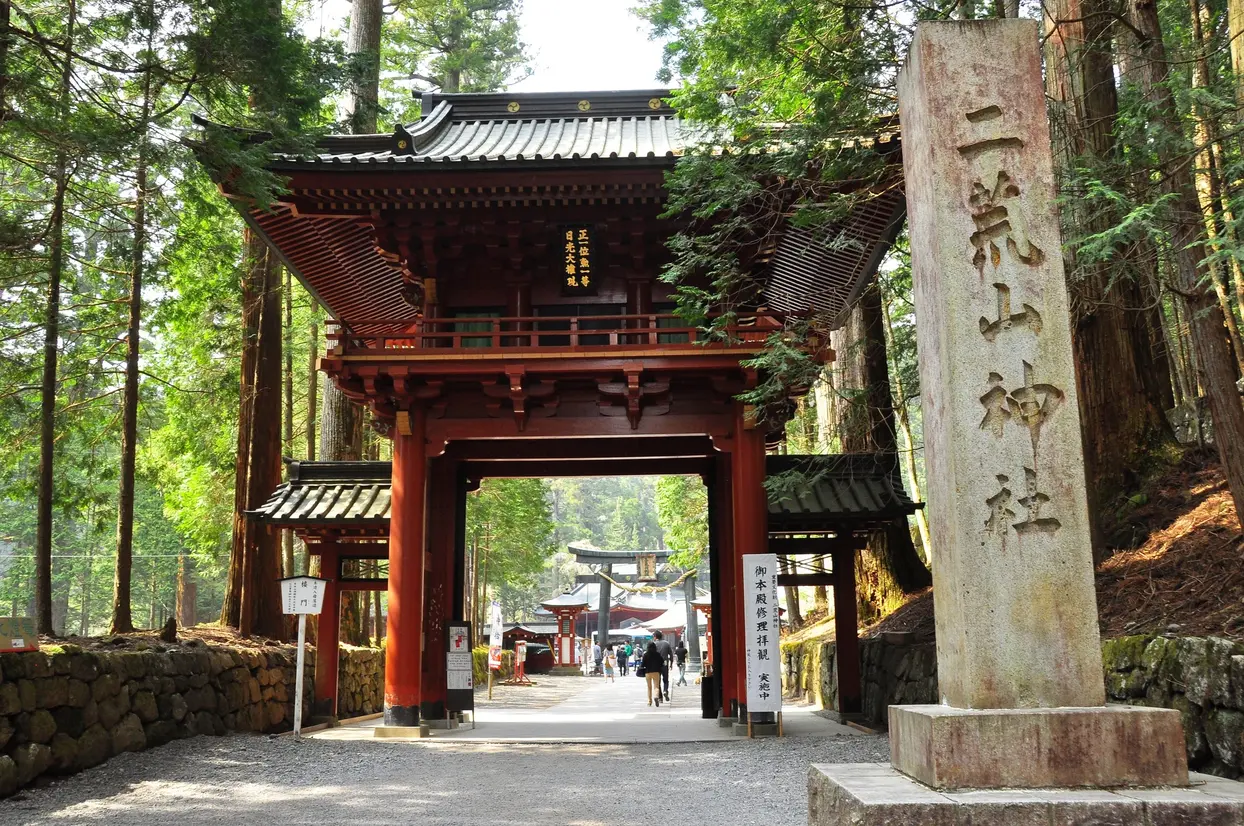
x,y
653,663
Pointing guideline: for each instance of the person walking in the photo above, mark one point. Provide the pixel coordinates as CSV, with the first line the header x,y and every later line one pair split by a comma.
x,y
597,658
611,662
667,659
680,656
651,664
624,657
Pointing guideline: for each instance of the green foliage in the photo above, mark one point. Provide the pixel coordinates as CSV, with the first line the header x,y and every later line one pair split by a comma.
x,y
682,509
804,79
450,46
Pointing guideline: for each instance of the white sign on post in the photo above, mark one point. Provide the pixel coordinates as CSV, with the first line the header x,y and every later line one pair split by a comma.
x,y
301,595
760,616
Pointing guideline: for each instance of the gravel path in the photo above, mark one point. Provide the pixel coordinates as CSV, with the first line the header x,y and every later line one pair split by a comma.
x,y
250,779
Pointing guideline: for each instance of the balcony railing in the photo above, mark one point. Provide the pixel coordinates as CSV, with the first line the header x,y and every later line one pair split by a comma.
x,y
481,335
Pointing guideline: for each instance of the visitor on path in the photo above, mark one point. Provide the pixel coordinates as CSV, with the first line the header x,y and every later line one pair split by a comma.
x,y
611,662
651,667
624,658
680,654
667,659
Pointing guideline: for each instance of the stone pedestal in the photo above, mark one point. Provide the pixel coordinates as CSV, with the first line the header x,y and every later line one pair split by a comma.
x,y
874,794
401,732
1104,747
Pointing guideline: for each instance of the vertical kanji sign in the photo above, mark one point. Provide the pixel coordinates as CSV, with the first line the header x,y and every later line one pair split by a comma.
x,y
760,616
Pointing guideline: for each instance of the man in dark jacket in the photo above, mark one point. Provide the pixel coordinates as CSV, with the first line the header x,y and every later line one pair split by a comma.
x,y
667,659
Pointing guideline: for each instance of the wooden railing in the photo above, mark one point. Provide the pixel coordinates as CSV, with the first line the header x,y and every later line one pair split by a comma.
x,y
570,333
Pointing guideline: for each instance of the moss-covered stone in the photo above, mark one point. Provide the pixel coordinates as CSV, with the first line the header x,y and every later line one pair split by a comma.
x,y
1124,653
1224,732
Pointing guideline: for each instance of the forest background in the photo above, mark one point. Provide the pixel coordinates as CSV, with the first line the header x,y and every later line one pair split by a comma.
x,y
151,352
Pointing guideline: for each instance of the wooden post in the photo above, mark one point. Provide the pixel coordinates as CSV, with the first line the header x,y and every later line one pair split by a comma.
x,y
403,658
437,593
329,632
846,633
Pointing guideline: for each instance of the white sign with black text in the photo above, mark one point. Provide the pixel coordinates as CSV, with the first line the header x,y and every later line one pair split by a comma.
x,y
760,616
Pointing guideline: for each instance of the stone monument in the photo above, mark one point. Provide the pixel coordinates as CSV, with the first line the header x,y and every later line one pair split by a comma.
x,y
1019,656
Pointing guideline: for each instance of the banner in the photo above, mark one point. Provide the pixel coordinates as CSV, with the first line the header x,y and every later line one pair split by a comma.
x,y
760,617
494,637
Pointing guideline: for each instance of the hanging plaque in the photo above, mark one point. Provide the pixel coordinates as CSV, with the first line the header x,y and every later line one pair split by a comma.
x,y
576,261
647,567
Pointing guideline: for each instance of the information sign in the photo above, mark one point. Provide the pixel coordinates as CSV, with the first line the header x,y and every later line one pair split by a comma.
x,y
460,682
302,594
18,634
760,617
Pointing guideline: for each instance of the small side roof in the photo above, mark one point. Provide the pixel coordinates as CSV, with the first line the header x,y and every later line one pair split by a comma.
x,y
846,491
353,494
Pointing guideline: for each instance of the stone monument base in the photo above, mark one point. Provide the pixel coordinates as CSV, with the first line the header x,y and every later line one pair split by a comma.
x,y
875,794
1099,747
401,732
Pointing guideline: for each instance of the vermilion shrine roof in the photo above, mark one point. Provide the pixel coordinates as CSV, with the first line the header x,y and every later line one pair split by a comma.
x,y
519,151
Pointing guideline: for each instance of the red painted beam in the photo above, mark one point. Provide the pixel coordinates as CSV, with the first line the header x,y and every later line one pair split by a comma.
x,y
650,447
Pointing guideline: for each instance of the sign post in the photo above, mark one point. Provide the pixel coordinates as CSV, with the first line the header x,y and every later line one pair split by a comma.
x,y
764,683
494,645
460,683
301,595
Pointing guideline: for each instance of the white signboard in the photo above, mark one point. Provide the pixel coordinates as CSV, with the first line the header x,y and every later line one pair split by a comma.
x,y
302,594
458,659
494,638
760,616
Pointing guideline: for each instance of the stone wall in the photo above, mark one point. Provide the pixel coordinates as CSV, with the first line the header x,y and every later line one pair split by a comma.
x,y
64,709
890,674
360,681
1201,677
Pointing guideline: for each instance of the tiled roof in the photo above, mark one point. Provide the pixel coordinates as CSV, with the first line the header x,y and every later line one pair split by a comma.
x,y
515,128
331,493
847,489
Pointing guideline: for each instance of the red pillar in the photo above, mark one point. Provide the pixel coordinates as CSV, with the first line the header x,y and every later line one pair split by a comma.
x,y
403,659
751,524
846,633
327,634
727,663
438,593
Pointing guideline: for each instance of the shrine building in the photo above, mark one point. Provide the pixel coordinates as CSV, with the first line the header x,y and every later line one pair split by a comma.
x,y
492,272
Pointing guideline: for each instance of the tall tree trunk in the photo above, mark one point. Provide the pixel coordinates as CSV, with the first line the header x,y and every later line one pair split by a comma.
x,y
1188,254
889,569
313,386
252,603
187,594
909,455
1206,177
1119,417
794,613
287,536
6,40
51,343
122,618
